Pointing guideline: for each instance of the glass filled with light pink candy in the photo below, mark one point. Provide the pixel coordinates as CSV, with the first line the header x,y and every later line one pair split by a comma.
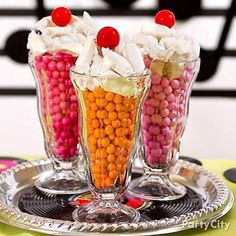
x,y
163,121
58,113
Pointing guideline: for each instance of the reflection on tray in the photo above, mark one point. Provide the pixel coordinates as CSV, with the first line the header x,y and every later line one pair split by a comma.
x,y
60,207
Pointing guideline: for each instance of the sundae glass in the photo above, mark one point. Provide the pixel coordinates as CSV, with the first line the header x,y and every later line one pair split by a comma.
x,y
110,94
54,48
174,64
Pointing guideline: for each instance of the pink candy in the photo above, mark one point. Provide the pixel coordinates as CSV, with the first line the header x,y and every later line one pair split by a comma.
x,y
163,115
58,100
155,79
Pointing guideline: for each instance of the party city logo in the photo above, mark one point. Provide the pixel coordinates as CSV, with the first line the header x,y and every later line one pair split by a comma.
x,y
215,224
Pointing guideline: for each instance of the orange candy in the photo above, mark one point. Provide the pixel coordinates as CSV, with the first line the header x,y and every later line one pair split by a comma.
x,y
111,167
117,99
109,96
99,92
95,123
110,128
112,115
107,121
92,140
93,106
91,97
110,106
119,141
105,142
104,114
90,130
111,149
99,133
104,153
111,158
91,114
113,174
108,182
101,102
92,148
116,123
123,115
120,132
119,107
112,137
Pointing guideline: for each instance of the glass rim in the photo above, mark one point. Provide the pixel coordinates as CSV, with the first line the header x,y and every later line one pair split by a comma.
x,y
132,76
69,55
177,61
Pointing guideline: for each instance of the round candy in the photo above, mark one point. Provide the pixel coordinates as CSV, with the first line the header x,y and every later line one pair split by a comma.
x,y
61,16
165,17
108,37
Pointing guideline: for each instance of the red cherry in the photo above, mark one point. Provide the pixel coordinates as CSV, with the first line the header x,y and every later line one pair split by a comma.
x,y
108,37
165,17
61,16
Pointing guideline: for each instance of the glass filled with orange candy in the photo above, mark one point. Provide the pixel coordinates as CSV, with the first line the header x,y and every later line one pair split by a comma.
x,y
110,123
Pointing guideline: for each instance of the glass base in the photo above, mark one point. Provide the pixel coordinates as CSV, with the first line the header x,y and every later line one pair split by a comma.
x,y
61,183
106,211
156,187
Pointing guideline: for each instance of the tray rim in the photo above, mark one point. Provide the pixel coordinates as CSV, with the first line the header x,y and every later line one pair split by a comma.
x,y
14,217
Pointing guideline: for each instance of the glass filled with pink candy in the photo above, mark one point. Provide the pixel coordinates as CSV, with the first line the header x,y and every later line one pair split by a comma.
x,y
58,113
163,122
54,45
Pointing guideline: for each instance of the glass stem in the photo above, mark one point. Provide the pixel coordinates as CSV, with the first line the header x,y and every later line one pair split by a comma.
x,y
106,198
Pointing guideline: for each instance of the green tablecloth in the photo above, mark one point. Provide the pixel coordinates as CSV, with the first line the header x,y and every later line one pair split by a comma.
x,y
217,166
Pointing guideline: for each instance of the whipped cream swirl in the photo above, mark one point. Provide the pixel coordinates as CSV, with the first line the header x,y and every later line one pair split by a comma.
x,y
48,37
126,60
111,69
160,42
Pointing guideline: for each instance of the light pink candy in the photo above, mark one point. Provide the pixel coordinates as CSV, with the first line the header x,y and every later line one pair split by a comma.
x,y
166,121
165,82
172,106
156,119
156,88
175,84
165,131
168,90
161,160
146,119
154,129
152,159
149,110
164,104
161,96
155,79
165,98
154,102
165,112
153,144
156,152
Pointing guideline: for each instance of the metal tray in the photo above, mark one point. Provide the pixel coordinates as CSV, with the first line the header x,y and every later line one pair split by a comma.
x,y
215,199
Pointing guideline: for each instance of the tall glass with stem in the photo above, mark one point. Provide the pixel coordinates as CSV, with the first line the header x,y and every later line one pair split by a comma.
x,y
58,113
110,124
163,121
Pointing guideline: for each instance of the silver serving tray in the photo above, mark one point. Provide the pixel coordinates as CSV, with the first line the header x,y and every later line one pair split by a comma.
x,y
217,200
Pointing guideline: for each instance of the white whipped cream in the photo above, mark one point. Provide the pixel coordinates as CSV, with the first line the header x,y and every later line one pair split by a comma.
x,y
123,61
160,42
69,38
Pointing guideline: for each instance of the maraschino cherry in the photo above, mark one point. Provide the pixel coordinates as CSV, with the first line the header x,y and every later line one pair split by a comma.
x,y
108,37
165,17
61,16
